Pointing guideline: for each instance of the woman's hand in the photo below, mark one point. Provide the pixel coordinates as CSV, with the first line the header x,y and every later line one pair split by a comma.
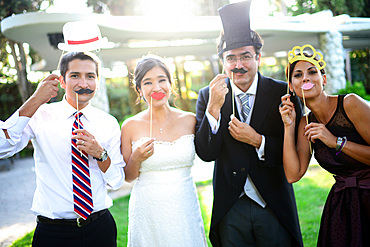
x,y
315,131
287,111
143,152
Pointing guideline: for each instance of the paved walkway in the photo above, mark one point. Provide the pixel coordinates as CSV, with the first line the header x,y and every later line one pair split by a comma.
x,y
17,186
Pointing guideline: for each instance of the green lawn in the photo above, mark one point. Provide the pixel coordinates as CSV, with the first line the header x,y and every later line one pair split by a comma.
x,y
311,192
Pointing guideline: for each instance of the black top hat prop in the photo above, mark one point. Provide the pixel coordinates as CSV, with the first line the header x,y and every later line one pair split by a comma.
x,y
236,25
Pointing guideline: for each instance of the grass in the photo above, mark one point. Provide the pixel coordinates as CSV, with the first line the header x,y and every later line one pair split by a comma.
x,y
311,192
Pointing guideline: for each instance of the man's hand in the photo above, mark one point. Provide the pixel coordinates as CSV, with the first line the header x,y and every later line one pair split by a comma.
x,y
47,89
217,92
86,142
244,132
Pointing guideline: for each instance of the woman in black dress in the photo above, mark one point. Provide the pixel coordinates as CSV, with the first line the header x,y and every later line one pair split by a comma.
x,y
337,130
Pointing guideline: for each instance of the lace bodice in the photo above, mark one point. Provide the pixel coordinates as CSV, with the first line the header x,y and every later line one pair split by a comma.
x,y
164,207
168,155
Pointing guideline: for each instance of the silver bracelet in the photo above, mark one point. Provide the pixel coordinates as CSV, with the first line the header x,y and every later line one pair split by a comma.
x,y
339,143
344,141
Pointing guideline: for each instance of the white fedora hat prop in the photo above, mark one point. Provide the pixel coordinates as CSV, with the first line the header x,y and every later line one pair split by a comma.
x,y
81,36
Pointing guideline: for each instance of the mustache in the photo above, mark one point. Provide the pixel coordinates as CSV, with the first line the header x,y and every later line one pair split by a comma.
x,y
236,70
85,90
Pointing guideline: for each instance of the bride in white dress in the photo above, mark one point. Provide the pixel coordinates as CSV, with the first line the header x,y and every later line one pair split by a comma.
x,y
163,208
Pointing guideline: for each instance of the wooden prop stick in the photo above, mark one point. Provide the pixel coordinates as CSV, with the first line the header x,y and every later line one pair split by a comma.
x,y
60,59
232,91
151,118
232,94
304,103
287,90
78,117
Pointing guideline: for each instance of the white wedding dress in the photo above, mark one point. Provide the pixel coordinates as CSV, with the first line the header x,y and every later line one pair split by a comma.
x,y
164,209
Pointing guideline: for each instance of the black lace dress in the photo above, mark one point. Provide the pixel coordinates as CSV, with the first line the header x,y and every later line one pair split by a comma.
x,y
346,216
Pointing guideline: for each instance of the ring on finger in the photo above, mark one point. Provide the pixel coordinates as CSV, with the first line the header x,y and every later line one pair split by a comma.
x,y
83,142
223,85
149,152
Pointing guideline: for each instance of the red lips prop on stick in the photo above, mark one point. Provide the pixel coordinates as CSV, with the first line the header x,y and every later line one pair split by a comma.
x,y
157,95
307,86
304,103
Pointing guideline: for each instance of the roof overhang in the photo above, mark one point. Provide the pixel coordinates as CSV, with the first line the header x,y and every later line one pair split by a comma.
x,y
134,36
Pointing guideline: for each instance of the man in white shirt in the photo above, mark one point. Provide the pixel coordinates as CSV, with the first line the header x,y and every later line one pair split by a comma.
x,y
238,127
73,170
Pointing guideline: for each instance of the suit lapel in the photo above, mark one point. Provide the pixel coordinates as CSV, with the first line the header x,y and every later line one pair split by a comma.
x,y
262,104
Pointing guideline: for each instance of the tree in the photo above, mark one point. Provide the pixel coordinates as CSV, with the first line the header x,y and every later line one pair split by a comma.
x,y
8,8
354,8
360,59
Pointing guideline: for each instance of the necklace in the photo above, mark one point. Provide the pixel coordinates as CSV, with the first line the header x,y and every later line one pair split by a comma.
x,y
161,129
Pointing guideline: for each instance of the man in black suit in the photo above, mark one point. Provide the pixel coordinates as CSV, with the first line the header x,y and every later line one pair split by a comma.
x,y
253,205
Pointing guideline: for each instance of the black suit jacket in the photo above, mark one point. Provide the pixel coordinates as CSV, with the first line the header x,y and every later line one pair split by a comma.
x,y
234,160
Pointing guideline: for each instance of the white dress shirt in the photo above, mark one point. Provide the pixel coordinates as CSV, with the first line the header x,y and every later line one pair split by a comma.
x,y
249,188
50,130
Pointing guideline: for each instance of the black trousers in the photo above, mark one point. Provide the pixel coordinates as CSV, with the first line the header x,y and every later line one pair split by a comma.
x,y
100,233
249,224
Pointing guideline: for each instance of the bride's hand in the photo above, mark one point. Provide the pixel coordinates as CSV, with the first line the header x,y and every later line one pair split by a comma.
x,y
144,151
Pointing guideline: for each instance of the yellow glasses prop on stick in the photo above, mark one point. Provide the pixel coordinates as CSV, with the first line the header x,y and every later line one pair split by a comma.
x,y
316,58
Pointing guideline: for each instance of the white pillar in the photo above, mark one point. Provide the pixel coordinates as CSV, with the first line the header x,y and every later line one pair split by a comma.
x,y
100,99
332,49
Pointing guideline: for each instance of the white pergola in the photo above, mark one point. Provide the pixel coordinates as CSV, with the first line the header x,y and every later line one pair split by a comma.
x,y
134,36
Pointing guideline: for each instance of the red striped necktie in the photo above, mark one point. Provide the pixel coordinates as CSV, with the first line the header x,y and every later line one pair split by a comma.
x,y
82,196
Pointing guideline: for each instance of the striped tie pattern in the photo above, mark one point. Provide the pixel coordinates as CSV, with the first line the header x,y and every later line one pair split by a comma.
x,y
82,196
244,97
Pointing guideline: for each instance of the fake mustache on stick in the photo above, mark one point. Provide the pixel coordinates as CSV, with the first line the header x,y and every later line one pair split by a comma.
x,y
85,90
236,70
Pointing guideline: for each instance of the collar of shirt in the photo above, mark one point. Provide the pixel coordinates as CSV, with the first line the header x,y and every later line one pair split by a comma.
x,y
252,90
67,110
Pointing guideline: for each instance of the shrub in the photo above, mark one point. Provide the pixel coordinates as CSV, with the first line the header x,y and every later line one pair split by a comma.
x,y
357,88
